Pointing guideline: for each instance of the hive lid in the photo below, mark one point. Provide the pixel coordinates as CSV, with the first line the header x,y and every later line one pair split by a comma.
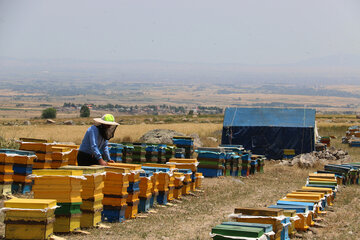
x,y
57,172
30,203
126,165
117,169
86,169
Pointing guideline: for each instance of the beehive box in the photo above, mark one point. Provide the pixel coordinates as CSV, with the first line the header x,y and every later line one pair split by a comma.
x,y
34,223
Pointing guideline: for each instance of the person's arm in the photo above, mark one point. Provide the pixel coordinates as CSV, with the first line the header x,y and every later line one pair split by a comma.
x,y
106,150
94,147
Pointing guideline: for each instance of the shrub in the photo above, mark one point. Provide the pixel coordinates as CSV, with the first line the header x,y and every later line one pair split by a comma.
x,y
49,113
84,111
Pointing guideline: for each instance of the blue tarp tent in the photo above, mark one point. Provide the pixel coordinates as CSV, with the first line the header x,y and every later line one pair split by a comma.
x,y
269,131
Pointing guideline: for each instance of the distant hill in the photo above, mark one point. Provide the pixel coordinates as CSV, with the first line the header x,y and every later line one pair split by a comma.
x,y
327,70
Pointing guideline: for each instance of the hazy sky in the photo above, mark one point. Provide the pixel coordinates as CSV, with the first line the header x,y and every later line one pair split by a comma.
x,y
226,31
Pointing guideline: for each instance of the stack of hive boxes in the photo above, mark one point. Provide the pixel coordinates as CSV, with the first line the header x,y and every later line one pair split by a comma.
x,y
23,164
166,179
190,164
151,153
133,189
42,150
146,186
185,142
59,156
169,152
115,194
245,164
198,182
155,183
65,187
138,155
91,195
116,152
73,157
29,218
6,172
179,183
211,161
179,152
127,153
187,181
161,153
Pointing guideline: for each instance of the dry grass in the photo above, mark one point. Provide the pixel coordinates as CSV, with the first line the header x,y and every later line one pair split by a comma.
x,y
64,133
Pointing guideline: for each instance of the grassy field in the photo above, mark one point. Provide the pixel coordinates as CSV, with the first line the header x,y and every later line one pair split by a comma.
x,y
194,216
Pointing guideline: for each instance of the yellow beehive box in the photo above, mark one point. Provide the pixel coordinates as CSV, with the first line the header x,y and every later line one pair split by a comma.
x,y
7,158
43,156
320,194
57,172
90,219
322,175
65,224
111,189
57,180
115,201
60,156
315,197
34,140
8,168
68,146
126,165
7,177
86,169
323,179
116,169
28,231
183,160
198,181
90,205
326,190
24,160
61,196
59,149
73,157
31,146
90,192
112,177
30,203
21,179
42,164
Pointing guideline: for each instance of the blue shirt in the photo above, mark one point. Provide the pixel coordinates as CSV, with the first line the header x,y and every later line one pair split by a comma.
x,y
93,143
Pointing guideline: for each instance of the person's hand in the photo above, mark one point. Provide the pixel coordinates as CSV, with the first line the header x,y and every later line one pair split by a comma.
x,y
111,161
102,162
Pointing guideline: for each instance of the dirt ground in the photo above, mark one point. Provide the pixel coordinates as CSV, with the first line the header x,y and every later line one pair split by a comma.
x,y
194,216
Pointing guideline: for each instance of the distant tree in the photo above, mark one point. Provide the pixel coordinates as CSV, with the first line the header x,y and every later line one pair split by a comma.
x,y
84,111
49,113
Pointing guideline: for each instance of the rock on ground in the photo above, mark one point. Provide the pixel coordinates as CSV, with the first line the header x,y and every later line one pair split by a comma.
x,y
165,136
308,160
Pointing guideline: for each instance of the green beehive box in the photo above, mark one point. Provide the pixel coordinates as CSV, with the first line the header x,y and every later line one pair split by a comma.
x,y
237,231
68,208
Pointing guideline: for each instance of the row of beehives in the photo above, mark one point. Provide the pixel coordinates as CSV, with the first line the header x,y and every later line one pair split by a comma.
x,y
85,196
352,136
229,160
297,211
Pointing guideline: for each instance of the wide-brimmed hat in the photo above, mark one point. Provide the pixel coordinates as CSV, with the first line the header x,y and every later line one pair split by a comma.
x,y
107,119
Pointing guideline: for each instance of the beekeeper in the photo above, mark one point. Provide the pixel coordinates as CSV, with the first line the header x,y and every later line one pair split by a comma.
x,y
94,147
